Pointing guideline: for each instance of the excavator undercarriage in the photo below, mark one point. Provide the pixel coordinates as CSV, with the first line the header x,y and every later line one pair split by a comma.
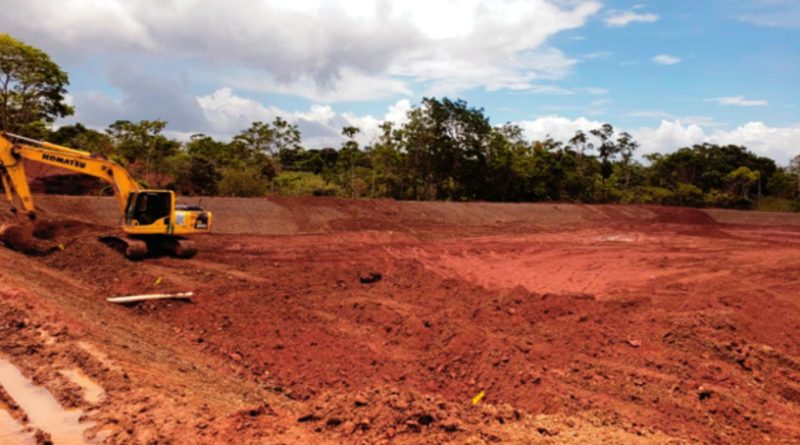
x,y
140,248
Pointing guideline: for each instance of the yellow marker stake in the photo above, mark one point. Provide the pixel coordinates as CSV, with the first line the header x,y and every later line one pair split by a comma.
x,y
158,281
477,399
60,247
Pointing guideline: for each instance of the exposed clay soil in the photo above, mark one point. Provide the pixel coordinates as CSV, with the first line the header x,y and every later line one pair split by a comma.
x,y
333,321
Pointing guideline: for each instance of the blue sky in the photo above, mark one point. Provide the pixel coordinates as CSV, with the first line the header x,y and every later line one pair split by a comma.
x,y
672,73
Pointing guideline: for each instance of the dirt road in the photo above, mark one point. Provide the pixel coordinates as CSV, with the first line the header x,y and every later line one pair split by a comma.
x,y
332,321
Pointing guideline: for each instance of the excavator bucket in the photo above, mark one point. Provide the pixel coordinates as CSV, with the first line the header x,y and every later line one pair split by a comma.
x,y
30,238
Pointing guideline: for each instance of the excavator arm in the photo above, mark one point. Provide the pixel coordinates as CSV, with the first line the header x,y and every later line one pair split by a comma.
x,y
14,148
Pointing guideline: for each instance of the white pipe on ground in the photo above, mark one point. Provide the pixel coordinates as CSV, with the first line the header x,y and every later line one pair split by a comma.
x,y
137,298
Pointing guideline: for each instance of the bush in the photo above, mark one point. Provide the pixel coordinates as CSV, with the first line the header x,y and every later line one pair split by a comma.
x,y
303,184
772,204
245,182
783,185
718,198
194,174
648,195
689,195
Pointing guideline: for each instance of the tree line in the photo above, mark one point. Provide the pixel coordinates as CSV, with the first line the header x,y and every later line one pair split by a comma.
x,y
445,150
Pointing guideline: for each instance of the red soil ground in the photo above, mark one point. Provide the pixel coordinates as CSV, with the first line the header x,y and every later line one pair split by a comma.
x,y
580,324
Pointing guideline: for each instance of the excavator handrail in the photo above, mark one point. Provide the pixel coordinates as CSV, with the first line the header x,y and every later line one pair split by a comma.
x,y
16,137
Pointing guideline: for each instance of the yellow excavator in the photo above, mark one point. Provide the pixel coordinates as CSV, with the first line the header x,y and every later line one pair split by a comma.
x,y
151,219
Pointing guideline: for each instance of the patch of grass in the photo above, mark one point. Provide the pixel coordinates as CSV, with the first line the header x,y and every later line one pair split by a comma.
x,y
303,184
772,204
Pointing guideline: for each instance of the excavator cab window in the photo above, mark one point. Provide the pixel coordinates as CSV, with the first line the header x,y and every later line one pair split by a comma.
x,y
148,207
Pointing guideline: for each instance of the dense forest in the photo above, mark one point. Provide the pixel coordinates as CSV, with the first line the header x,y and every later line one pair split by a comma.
x,y
446,150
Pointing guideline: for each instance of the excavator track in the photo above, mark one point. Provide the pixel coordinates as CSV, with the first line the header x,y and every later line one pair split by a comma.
x,y
139,248
133,249
177,246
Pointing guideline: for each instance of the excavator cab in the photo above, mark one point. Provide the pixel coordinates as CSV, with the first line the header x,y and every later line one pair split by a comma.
x,y
154,212
155,223
146,207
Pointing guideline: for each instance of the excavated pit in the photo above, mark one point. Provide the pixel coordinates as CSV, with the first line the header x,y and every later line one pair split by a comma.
x,y
577,324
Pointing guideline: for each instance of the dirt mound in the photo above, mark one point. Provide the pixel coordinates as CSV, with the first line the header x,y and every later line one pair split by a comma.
x,y
42,237
89,260
681,215
20,237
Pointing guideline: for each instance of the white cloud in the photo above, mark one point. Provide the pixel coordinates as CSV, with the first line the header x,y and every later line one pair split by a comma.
x,y
329,45
617,19
597,55
351,85
556,127
739,101
666,59
227,113
398,112
778,143
703,121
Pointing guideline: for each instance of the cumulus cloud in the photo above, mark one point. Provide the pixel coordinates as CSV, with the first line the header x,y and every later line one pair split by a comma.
x,y
227,114
618,19
703,121
556,127
296,47
778,143
666,59
223,113
351,85
739,101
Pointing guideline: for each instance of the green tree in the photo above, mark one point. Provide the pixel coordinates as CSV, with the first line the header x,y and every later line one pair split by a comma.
x,y
626,145
606,151
194,174
388,178
269,139
689,195
79,137
349,156
742,179
220,153
794,169
32,88
446,141
244,182
142,141
783,184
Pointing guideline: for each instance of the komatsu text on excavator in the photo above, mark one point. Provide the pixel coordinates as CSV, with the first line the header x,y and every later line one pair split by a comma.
x,y
151,219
